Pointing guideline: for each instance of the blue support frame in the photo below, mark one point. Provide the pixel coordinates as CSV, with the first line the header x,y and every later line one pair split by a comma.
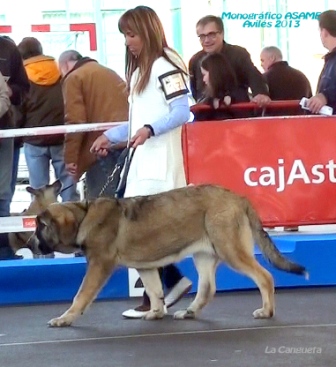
x,y
57,280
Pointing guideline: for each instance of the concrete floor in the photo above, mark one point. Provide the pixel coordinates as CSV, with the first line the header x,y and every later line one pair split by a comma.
x,y
301,334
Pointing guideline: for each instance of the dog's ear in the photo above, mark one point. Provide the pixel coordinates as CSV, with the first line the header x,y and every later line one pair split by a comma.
x,y
44,219
31,190
41,221
57,186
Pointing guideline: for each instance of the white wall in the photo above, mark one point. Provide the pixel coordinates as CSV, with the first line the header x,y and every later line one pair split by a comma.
x,y
301,46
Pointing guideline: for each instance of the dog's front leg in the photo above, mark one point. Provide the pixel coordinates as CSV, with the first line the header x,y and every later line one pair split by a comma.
x,y
152,283
97,274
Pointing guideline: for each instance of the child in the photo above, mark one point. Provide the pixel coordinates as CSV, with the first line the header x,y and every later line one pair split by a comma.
x,y
221,87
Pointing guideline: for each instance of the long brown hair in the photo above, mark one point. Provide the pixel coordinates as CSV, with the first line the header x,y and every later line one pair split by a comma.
x,y
144,22
222,77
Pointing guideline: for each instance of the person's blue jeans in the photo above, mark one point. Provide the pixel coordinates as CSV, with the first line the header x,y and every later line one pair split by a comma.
x,y
38,161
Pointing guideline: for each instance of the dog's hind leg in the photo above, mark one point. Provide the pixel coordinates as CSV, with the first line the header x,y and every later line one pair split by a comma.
x,y
265,283
234,246
245,263
97,274
206,265
152,283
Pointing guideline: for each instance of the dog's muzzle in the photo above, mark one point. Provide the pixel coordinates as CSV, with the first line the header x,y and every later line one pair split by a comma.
x,y
32,243
38,247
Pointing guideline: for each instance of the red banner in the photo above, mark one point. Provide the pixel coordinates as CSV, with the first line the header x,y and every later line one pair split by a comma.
x,y
285,165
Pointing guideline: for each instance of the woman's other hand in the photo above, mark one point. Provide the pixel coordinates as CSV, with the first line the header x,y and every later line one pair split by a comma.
x,y
101,146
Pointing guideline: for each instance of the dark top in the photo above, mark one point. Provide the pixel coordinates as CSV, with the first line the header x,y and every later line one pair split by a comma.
x,y
43,105
247,74
237,96
286,83
11,66
327,79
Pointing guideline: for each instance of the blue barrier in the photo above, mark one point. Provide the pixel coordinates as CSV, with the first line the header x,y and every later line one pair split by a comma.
x,y
316,252
56,280
52,280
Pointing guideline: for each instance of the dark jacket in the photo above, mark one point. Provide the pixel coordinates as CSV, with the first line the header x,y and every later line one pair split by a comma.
x,y
327,79
236,96
11,67
43,106
287,83
7,121
247,74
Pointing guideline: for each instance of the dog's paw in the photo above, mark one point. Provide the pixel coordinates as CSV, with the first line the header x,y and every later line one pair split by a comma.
x,y
262,313
154,315
184,314
60,322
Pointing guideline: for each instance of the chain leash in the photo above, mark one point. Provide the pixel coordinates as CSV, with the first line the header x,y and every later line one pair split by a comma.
x,y
108,181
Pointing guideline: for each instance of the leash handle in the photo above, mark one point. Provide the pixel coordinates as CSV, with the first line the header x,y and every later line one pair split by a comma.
x,y
119,193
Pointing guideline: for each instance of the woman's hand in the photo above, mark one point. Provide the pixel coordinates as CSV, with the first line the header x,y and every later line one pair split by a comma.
x,y
101,146
140,137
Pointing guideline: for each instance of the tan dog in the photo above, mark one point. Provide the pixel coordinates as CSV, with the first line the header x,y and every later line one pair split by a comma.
x,y
43,197
208,222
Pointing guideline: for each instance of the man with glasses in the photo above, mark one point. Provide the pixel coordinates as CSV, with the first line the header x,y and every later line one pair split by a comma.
x,y
210,31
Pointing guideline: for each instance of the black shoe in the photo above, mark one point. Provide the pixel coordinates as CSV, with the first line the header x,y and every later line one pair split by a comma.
x,y
6,252
11,257
16,257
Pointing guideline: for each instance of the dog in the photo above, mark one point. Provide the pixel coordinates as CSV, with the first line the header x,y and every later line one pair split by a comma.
x,y
208,222
42,198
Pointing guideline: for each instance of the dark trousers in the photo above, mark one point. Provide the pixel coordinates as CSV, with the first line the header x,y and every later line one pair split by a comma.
x,y
16,157
170,276
6,251
6,162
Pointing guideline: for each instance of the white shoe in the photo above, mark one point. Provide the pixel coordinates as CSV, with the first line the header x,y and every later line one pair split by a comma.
x,y
178,291
134,314
137,314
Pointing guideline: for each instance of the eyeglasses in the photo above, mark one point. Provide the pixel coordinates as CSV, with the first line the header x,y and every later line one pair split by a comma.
x,y
210,35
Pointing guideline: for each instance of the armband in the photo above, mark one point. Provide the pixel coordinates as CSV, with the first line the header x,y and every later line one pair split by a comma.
x,y
173,84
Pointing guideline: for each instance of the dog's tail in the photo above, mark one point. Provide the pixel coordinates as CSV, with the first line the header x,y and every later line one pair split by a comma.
x,y
268,247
